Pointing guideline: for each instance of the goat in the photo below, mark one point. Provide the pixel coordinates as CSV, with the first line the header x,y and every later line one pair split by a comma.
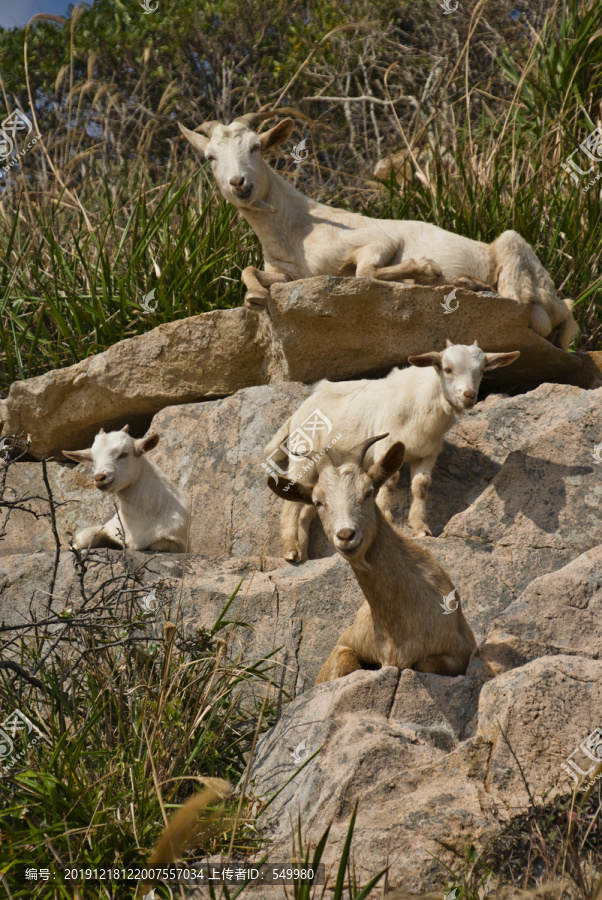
x,y
400,622
153,513
302,238
418,406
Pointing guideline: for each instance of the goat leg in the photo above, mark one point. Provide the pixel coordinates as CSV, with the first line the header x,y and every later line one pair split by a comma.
x,y
420,475
256,282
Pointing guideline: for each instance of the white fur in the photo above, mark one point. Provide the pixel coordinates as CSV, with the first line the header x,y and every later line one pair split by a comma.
x,y
416,406
153,513
301,238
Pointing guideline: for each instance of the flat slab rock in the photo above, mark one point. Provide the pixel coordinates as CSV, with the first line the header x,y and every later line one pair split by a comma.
x,y
314,328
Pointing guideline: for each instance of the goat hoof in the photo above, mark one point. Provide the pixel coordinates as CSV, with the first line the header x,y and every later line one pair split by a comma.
x,y
293,556
423,531
254,299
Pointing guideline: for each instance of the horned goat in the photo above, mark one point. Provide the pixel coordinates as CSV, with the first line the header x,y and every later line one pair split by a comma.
x,y
302,238
417,406
153,513
402,621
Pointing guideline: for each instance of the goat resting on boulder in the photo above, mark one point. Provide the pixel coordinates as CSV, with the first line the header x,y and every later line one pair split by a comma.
x,y
302,238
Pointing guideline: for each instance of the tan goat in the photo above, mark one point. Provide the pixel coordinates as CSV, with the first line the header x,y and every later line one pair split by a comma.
x,y
403,621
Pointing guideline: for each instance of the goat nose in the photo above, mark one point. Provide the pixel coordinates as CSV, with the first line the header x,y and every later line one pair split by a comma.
x,y
237,181
470,395
345,534
99,478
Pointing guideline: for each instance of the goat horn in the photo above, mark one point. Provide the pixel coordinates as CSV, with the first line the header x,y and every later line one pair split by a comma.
x,y
207,127
126,428
253,119
357,453
101,431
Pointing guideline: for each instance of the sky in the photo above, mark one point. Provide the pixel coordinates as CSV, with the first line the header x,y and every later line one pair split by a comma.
x,y
20,12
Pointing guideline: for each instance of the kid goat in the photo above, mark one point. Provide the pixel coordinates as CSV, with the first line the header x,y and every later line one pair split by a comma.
x,y
417,406
301,238
153,512
401,622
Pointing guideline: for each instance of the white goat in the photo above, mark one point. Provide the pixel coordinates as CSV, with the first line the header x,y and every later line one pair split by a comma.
x,y
301,238
417,406
401,622
153,513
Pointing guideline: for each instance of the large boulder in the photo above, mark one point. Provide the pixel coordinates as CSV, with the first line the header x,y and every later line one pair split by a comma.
x,y
436,764
205,356
514,493
315,328
316,324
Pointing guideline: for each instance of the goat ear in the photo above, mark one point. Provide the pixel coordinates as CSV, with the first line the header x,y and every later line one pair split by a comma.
x,y
198,141
426,359
391,463
148,442
494,360
276,135
78,455
291,490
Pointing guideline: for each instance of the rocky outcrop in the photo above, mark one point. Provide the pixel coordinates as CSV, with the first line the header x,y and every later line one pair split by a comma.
x,y
309,331
432,761
435,763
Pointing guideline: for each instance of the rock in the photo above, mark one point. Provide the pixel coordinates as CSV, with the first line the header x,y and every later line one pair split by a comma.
x,y
559,613
311,330
396,742
316,323
209,355
514,493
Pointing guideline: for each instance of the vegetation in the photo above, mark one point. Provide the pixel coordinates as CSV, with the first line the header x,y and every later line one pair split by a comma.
x,y
482,107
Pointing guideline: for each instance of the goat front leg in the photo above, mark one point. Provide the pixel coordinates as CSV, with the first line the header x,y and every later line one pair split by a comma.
x,y
256,282
342,661
370,263
420,476
384,498
295,520
109,535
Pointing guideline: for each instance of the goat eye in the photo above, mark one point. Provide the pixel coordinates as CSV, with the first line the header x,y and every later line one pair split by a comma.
x,y
447,370
210,159
317,504
369,493
123,455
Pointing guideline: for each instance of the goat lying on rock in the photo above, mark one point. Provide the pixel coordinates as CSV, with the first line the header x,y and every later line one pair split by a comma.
x,y
417,406
401,623
302,238
153,513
